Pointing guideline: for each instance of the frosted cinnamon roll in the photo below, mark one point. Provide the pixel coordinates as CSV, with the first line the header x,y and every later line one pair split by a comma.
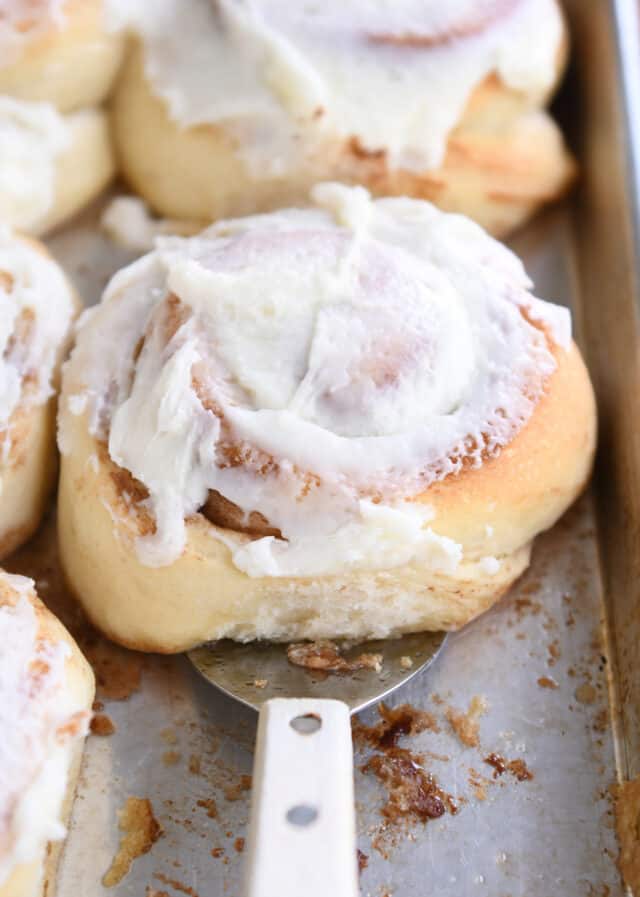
x,y
46,692
347,420
51,165
57,51
228,108
37,307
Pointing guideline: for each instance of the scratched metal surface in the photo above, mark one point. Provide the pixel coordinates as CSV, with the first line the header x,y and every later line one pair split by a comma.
x,y
178,742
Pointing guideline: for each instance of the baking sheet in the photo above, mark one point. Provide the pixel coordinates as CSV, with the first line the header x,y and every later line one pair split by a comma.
x,y
542,659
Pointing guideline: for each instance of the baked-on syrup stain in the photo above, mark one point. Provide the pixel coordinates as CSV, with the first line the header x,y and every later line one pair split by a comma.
x,y
517,768
413,794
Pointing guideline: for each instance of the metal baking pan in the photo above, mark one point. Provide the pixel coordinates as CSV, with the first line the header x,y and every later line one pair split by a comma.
x,y
555,661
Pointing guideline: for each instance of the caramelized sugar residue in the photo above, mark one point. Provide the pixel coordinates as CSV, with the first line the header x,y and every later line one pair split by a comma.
x,y
394,722
412,793
141,830
101,724
517,768
467,725
324,656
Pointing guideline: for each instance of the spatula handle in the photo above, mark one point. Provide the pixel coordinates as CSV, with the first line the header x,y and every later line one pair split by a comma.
x,y
302,836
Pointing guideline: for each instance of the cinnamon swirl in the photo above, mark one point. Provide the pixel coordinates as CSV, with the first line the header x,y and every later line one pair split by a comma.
x,y
46,692
346,420
228,108
37,307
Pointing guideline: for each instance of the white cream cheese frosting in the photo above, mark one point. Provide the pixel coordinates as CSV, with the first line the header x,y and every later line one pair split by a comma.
x,y
39,722
22,21
36,311
320,366
32,137
395,76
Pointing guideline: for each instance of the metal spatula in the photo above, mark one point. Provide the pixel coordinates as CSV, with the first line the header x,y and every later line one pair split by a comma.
x,y
302,836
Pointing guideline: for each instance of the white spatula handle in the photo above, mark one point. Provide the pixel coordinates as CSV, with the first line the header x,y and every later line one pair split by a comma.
x,y
302,837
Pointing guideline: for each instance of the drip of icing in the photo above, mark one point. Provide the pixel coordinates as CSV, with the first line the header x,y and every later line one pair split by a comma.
x,y
32,136
395,76
22,21
320,366
34,295
34,754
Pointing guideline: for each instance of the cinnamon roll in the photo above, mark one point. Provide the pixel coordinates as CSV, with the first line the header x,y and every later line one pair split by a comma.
x,y
46,692
51,165
345,420
228,108
37,309
57,51
57,63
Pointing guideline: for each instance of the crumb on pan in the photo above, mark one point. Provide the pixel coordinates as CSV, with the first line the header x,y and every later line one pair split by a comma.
x,y
406,662
517,768
101,724
325,656
394,722
141,830
234,792
260,683
467,725
176,885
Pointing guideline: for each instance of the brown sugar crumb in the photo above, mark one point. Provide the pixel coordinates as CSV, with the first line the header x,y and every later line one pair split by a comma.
x,y
117,670
517,768
395,721
628,828
239,845
412,793
325,656
101,724
467,725
97,706
547,682
195,765
176,885
406,662
478,784
169,736
141,831
217,852
234,792
363,861
554,654
601,721
260,683
170,758
210,806
586,693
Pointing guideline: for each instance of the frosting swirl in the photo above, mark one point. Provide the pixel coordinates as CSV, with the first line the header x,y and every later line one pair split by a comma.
x,y
319,367
36,310
38,721
284,78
